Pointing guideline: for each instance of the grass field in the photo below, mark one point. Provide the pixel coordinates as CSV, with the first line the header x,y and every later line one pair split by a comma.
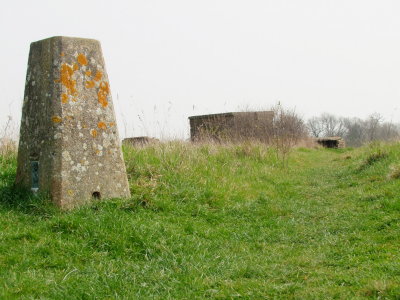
x,y
214,222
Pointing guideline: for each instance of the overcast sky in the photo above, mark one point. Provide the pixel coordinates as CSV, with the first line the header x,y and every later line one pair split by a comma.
x,y
169,59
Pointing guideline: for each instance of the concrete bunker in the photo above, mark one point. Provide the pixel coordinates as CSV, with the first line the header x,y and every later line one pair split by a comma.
x,y
331,142
231,126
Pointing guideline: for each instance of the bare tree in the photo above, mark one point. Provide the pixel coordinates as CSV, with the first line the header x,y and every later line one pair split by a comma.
x,y
372,125
355,132
314,126
388,131
326,125
287,130
332,125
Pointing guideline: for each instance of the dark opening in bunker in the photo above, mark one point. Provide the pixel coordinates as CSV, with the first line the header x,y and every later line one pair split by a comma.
x,y
96,195
331,142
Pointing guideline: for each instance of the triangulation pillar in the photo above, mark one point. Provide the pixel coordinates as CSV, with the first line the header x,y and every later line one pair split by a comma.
x,y
69,145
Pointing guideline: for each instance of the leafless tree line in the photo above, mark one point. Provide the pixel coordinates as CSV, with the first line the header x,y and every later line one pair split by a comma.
x,y
355,131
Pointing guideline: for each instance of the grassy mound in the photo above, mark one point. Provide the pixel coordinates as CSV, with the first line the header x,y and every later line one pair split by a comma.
x,y
212,221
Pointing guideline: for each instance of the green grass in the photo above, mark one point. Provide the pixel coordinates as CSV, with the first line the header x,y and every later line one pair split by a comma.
x,y
214,222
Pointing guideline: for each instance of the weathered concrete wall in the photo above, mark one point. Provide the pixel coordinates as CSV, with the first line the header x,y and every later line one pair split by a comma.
x,y
68,129
231,127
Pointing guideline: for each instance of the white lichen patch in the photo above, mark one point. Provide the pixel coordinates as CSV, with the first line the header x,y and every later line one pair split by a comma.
x,y
107,139
106,142
113,151
58,135
79,168
84,146
66,155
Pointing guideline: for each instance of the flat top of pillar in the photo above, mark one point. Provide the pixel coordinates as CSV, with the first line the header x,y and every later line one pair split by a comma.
x,y
67,39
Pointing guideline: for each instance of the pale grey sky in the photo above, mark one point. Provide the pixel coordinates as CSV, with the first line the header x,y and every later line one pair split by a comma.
x,y
169,59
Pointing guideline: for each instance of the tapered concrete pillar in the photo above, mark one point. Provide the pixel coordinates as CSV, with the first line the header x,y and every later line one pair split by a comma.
x,y
69,145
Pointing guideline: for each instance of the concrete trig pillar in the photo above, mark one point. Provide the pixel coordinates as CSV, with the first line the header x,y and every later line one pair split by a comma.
x,y
69,145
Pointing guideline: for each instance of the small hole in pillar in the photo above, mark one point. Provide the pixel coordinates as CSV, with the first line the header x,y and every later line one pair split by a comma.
x,y
96,195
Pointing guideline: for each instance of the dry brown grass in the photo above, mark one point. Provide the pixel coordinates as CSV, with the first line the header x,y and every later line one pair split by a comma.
x,y
394,172
8,138
8,147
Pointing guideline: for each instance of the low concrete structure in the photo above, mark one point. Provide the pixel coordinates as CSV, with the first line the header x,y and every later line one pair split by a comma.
x,y
69,145
232,126
331,142
139,141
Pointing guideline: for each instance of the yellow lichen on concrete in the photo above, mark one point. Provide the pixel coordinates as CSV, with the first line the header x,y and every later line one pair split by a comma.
x,y
103,93
93,132
66,80
102,125
64,98
82,59
56,119
89,84
98,76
